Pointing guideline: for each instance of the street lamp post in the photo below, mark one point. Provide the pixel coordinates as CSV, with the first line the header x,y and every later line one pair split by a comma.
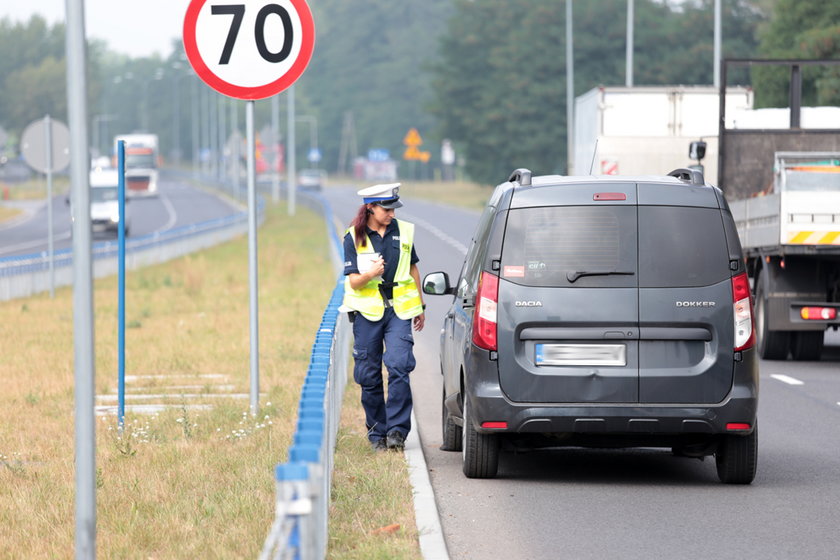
x,y
97,137
313,130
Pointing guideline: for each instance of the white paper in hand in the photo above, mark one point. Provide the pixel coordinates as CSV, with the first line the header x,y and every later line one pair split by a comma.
x,y
365,262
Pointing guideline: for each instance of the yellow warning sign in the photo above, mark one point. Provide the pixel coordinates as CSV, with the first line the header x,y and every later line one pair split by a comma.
x,y
412,153
412,138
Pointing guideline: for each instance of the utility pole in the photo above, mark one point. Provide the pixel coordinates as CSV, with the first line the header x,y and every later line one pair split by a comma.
x,y
717,49
570,91
348,143
629,54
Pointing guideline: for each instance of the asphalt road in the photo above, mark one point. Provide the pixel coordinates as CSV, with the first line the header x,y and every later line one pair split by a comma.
x,y
178,203
628,504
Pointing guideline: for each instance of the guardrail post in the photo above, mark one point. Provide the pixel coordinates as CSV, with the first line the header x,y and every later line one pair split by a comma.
x,y
293,505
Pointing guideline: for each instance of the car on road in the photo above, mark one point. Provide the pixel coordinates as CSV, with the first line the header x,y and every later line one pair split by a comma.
x,y
312,179
608,311
104,203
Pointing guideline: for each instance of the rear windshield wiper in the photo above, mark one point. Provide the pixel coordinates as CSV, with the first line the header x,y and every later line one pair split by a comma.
x,y
573,276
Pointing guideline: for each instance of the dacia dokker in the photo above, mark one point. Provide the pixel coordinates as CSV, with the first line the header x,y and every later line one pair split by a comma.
x,y
608,311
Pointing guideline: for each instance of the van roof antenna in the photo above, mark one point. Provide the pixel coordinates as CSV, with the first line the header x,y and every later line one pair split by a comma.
x,y
594,153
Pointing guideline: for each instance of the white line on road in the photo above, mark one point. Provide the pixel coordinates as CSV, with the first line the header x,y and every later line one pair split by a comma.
x,y
170,209
437,232
786,379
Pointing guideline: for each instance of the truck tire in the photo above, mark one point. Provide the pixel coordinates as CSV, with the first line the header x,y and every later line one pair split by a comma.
x,y
807,345
736,458
480,453
771,345
452,440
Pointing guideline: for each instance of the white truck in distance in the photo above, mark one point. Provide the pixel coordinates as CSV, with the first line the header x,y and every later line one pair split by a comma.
x,y
141,163
790,235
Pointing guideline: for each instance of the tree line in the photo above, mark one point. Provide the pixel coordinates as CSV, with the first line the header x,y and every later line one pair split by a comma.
x,y
488,74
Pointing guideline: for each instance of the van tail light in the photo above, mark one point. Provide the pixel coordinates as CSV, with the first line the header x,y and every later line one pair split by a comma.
x,y
484,321
743,313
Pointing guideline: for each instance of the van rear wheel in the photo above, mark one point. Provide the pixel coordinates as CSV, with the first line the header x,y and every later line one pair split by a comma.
x,y
736,458
771,345
480,453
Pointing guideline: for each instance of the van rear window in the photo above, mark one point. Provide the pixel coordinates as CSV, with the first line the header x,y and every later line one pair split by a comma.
x,y
681,247
584,246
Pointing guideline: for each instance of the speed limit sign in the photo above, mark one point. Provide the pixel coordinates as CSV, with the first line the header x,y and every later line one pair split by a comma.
x,y
249,49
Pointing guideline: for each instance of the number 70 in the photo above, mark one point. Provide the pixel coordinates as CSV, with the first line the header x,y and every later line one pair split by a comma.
x,y
238,12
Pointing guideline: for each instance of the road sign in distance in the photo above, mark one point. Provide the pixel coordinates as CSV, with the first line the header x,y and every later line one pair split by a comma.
x,y
249,49
33,145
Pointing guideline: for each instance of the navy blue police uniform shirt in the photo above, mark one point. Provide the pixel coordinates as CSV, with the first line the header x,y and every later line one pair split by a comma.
x,y
388,246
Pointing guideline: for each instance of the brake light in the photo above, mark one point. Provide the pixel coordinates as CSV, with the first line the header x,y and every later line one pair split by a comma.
x,y
484,320
743,315
818,313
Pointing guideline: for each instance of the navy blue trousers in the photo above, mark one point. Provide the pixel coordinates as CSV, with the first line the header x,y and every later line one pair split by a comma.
x,y
394,336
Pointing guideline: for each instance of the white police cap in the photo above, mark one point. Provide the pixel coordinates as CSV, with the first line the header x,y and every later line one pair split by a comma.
x,y
386,196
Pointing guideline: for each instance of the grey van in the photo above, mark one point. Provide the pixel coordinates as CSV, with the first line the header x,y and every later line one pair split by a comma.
x,y
608,311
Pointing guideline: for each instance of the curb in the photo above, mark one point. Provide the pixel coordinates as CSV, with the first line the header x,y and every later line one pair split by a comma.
x,y
432,543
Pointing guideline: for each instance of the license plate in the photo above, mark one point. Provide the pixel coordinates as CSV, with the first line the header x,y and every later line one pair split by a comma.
x,y
581,355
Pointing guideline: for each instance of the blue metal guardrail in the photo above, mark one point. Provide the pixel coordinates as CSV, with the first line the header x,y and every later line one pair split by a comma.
x,y
300,527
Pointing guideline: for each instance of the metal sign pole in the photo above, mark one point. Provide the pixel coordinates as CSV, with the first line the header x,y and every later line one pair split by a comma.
x,y
252,258
291,181
121,288
50,245
84,372
275,127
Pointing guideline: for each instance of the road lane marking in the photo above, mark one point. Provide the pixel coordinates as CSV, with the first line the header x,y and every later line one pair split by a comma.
x,y
786,379
437,233
170,209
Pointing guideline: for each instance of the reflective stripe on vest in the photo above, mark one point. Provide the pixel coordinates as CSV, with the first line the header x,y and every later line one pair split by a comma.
x,y
406,298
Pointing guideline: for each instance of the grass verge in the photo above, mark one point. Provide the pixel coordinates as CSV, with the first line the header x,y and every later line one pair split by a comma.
x,y
186,482
464,194
7,213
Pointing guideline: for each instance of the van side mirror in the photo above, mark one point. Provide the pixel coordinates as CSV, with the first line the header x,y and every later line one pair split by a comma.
x,y
697,150
437,284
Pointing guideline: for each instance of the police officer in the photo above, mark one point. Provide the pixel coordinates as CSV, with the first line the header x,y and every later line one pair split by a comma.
x,y
381,295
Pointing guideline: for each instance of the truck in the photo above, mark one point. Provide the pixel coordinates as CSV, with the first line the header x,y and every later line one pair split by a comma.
x,y
641,130
141,163
783,189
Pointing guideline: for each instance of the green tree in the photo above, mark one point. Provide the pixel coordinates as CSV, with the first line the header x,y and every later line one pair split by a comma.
x,y
500,85
800,29
369,59
33,76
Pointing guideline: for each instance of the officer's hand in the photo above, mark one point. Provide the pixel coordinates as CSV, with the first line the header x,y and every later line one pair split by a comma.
x,y
419,321
377,267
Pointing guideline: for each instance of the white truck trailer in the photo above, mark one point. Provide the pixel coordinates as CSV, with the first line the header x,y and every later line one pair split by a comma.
x,y
783,188
645,130
141,163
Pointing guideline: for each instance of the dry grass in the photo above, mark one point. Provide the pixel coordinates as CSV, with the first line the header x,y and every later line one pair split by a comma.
x,y
185,483
369,517
7,213
35,188
457,193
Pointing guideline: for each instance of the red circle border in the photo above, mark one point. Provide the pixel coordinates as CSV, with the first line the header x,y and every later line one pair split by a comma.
x,y
257,92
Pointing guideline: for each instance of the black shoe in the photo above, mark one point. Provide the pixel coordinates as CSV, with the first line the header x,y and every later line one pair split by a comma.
x,y
379,445
396,440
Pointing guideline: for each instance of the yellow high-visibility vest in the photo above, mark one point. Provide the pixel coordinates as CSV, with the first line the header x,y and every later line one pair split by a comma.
x,y
406,298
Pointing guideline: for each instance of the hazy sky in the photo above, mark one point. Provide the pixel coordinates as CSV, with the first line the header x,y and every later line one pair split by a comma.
x,y
133,27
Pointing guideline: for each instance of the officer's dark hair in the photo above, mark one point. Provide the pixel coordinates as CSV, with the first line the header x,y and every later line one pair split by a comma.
x,y
359,225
